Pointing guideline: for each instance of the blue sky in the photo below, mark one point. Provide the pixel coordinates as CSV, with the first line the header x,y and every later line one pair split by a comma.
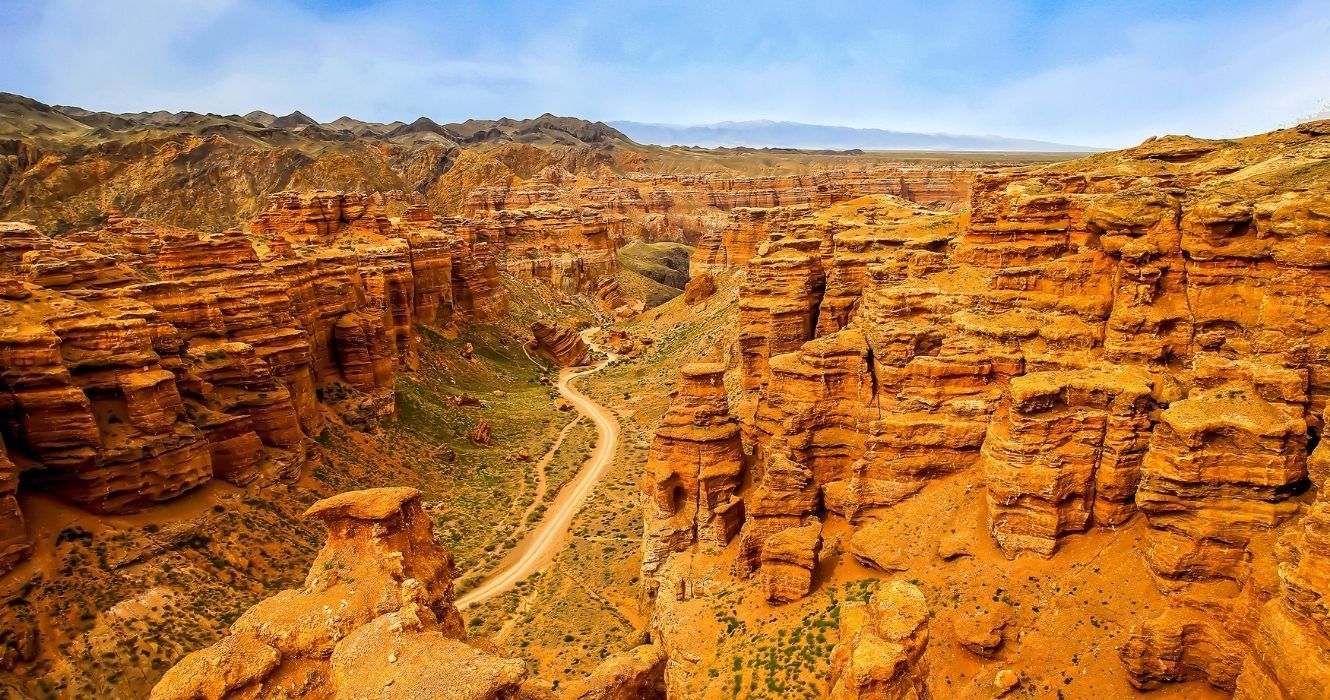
x,y
1107,73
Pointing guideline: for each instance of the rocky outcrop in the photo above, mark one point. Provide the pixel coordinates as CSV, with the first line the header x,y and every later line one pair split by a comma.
x,y
611,298
558,343
14,545
1292,636
376,614
733,246
1180,645
566,230
693,470
778,304
375,617
981,631
417,267
570,248
480,433
787,559
1220,467
881,648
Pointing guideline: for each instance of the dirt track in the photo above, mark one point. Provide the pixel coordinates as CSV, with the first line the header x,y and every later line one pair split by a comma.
x,y
545,540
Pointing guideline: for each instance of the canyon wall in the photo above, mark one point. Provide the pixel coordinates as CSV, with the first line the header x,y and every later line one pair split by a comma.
x,y
138,361
1132,335
566,229
788,207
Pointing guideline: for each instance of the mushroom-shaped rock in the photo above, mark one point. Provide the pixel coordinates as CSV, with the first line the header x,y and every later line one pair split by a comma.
x,y
376,611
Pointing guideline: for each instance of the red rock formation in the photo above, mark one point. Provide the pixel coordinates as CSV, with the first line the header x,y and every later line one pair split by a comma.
x,y
636,674
778,304
612,299
566,230
14,545
477,295
558,343
1062,451
139,361
480,433
981,631
788,558
414,267
733,246
868,227
1219,469
91,400
376,612
694,468
1292,636
571,248
1183,644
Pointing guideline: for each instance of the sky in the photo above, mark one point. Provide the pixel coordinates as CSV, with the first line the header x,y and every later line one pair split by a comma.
x,y
1108,73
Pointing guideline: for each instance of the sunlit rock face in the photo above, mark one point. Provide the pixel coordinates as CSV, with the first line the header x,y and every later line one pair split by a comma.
x,y
881,648
695,466
1129,336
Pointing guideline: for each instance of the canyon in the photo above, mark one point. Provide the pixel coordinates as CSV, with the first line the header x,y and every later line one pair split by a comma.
x,y
1119,344
846,426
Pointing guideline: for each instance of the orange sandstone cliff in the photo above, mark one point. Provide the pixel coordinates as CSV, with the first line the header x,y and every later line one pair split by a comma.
x,y
139,361
1129,342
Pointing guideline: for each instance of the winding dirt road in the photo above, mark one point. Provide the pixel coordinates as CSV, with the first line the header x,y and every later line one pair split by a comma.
x,y
545,540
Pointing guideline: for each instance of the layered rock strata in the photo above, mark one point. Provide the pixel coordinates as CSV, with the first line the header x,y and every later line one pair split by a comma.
x,y
558,343
139,361
566,230
1064,450
1131,335
693,470
14,545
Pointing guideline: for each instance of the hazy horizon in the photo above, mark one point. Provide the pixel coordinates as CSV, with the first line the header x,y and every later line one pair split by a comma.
x,y
1104,75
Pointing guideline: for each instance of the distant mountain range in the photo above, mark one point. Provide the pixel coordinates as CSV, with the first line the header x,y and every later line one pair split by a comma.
x,y
772,134
63,167
24,117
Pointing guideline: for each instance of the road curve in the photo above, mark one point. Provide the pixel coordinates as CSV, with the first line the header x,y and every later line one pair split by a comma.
x,y
545,540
